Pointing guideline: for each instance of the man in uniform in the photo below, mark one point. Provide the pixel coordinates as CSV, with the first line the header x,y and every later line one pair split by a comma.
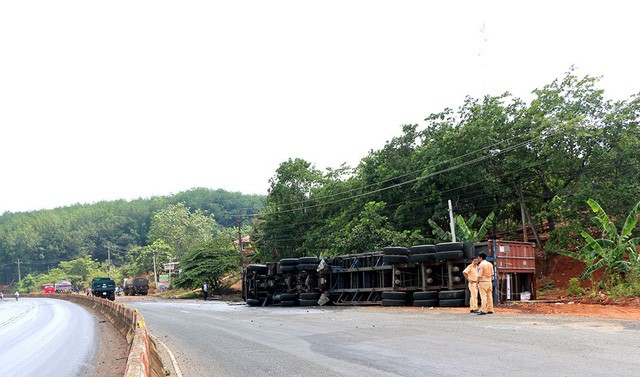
x,y
205,291
485,285
471,274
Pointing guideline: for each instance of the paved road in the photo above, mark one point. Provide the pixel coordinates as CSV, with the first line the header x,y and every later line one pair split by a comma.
x,y
215,338
45,337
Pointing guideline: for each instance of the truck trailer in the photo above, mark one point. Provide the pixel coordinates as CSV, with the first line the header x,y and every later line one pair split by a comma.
x,y
421,275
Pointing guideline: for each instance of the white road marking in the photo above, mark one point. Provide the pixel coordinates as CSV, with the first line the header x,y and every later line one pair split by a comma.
x,y
173,359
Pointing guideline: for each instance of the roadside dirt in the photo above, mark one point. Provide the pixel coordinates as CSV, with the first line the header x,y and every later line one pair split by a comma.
x,y
111,355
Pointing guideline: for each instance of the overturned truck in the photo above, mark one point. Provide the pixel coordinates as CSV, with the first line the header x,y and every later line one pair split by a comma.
x,y
422,275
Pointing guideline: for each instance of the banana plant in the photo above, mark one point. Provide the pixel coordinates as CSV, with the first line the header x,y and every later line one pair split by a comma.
x,y
464,233
617,253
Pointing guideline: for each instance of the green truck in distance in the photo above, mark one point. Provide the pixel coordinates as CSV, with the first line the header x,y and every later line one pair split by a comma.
x,y
104,287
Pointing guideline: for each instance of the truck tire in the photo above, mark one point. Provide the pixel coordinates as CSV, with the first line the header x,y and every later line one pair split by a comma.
x,y
469,250
452,302
395,259
425,295
447,295
433,302
423,258
393,295
289,262
421,249
288,296
449,255
307,267
310,296
390,302
254,302
308,260
395,250
288,303
449,246
308,302
288,269
260,268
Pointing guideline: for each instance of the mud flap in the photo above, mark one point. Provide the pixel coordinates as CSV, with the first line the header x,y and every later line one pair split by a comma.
x,y
323,300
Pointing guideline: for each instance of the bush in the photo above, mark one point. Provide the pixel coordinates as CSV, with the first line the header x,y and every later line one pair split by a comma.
x,y
574,288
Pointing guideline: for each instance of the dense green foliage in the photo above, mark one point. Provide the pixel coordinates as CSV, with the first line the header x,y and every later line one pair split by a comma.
x,y
210,261
616,252
42,239
79,272
493,155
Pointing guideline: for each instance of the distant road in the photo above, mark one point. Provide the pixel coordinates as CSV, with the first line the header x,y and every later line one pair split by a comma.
x,y
216,339
45,337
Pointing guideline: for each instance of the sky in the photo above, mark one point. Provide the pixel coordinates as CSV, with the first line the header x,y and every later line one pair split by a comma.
x,y
134,99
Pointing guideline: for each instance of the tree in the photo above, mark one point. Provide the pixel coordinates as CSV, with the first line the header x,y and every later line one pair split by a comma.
x,y
616,253
289,212
181,229
210,261
370,231
141,257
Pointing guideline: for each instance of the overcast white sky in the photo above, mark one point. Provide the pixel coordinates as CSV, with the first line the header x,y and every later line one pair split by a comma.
x,y
128,99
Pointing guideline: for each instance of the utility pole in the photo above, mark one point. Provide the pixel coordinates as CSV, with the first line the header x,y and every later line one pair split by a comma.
x,y
109,258
19,276
155,272
452,223
241,259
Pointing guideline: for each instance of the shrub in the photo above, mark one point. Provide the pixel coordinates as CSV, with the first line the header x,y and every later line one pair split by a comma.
x,y
574,288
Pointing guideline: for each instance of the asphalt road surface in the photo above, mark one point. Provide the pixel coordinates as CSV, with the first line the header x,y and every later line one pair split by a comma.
x,y
45,337
219,339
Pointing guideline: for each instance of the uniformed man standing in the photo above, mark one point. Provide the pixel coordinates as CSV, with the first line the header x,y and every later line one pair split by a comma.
x,y
485,284
471,274
205,289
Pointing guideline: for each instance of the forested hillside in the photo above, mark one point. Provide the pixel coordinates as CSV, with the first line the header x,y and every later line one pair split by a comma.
x,y
42,239
540,160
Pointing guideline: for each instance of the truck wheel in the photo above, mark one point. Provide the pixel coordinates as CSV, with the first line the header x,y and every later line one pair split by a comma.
x,y
449,246
254,302
289,262
390,302
422,258
395,250
309,260
447,295
449,255
308,302
308,267
395,259
421,249
394,295
452,303
469,250
425,295
288,303
310,296
288,296
286,268
423,303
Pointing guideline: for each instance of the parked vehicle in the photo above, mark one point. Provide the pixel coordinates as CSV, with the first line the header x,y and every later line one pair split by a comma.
x,y
48,289
104,287
63,286
136,286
